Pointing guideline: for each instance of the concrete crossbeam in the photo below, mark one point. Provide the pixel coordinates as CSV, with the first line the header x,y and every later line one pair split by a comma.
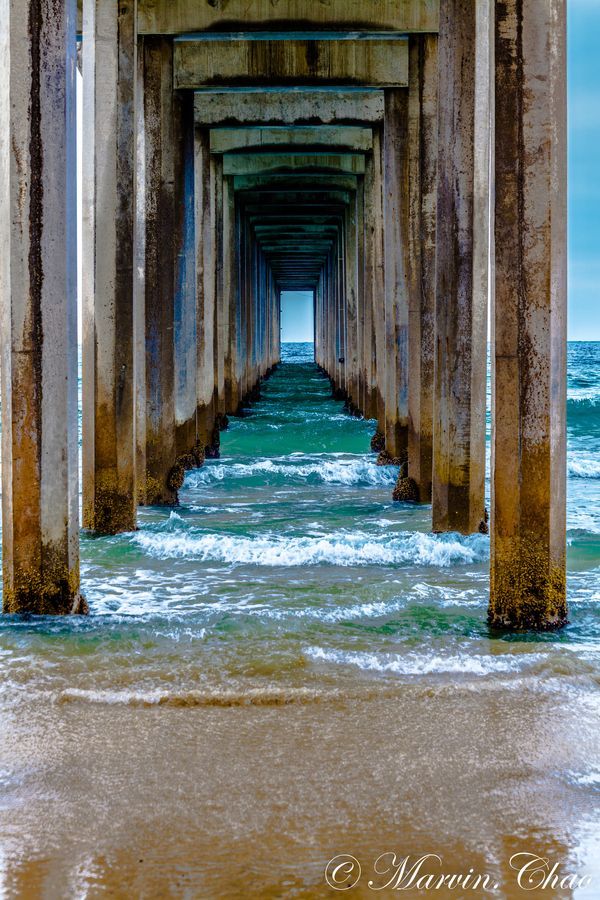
x,y
377,63
256,163
181,16
272,182
349,137
288,107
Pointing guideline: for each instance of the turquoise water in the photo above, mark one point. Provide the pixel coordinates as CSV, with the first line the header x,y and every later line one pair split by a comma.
x,y
287,566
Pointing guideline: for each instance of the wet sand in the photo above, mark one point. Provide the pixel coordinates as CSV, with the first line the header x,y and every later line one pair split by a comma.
x,y
252,801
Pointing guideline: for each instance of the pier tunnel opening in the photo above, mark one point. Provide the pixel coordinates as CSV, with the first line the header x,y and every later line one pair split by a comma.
x,y
299,244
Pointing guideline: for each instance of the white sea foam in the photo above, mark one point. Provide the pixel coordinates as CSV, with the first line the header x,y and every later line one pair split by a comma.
x,y
192,698
341,549
589,779
425,664
330,469
583,466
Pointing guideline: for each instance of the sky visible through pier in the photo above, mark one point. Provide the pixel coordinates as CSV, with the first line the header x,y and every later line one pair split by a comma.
x,y
297,322
584,185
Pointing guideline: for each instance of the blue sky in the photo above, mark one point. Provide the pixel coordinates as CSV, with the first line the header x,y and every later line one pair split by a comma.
x,y
584,184
584,175
296,316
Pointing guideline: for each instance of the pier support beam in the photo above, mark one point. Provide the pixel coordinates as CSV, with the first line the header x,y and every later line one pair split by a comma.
x,y
461,303
229,296
529,394
205,288
109,69
160,269
185,316
395,227
422,114
352,288
374,290
38,296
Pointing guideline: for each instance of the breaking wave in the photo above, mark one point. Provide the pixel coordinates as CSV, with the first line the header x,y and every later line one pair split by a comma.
x,y
218,698
583,414
326,469
341,549
426,664
582,466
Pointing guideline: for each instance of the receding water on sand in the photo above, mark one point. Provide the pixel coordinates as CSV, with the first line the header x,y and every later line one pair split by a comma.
x,y
290,666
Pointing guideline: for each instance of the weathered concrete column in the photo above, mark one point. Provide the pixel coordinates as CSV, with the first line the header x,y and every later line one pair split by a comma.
x,y
319,321
185,314
109,75
221,308
340,308
205,287
361,296
462,238
160,268
139,284
374,319
352,282
422,180
245,288
396,227
331,314
255,289
38,295
229,296
529,392
275,324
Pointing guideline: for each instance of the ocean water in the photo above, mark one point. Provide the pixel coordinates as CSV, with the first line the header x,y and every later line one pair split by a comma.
x,y
287,579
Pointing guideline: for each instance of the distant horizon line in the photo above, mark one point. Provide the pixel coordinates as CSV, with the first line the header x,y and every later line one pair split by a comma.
x,y
569,341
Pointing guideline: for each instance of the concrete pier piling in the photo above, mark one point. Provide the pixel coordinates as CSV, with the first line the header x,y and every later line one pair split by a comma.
x,y
109,175
460,309
528,579
38,285
422,191
230,156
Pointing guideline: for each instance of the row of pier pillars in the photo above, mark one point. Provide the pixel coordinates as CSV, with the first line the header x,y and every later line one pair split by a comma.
x,y
404,161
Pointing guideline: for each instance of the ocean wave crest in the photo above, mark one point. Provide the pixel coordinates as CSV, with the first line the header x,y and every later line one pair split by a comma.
x,y
425,664
583,414
342,549
192,698
583,467
311,470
